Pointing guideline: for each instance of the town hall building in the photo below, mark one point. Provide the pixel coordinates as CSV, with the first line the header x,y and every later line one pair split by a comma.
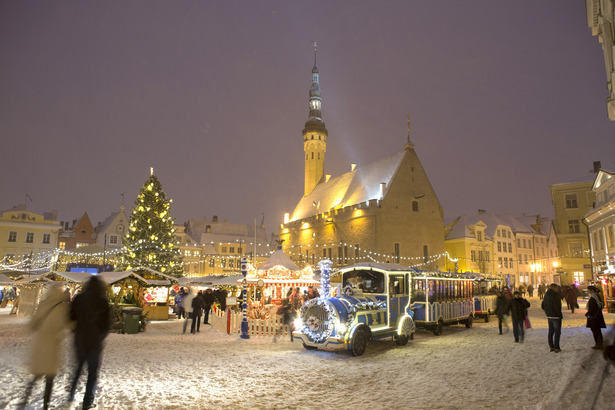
x,y
384,211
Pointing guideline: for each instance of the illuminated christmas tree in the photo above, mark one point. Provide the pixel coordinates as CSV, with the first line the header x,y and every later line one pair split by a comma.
x,y
150,241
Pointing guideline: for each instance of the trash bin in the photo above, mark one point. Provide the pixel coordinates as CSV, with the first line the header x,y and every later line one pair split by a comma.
x,y
131,320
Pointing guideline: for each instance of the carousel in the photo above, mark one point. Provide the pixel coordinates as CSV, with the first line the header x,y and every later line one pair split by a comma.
x,y
269,284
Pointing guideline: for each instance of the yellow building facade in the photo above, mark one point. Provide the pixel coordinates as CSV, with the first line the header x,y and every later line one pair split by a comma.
x,y
572,201
27,239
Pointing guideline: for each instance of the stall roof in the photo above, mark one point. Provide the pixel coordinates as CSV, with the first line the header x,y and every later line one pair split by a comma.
x,y
31,279
73,277
154,277
5,280
196,280
115,277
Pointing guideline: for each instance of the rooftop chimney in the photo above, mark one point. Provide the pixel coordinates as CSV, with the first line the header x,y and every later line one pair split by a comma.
x,y
597,166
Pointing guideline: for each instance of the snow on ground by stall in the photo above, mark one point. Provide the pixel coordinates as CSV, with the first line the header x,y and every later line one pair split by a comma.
x,y
464,368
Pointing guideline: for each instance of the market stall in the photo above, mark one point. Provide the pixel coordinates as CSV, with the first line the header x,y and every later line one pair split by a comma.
x,y
607,280
142,287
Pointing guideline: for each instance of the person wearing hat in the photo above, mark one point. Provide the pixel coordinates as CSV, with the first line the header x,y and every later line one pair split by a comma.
x,y
595,319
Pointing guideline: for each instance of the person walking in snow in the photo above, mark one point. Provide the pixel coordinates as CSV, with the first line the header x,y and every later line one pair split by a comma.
x,y
197,312
49,323
595,319
208,301
501,308
552,305
518,309
530,290
92,314
571,297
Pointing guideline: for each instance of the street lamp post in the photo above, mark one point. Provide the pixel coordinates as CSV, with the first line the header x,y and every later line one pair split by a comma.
x,y
244,320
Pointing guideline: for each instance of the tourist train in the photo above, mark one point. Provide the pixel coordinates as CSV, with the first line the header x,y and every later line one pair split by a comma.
x,y
376,301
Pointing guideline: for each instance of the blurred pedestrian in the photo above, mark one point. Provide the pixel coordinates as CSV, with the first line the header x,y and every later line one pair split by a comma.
x,y
552,305
518,311
187,302
530,290
92,314
179,303
541,291
287,317
48,323
595,319
571,297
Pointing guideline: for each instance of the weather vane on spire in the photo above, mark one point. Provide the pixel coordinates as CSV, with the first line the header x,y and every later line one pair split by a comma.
x,y
314,43
408,128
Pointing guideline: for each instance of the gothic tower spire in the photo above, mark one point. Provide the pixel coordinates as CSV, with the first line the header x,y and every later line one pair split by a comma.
x,y
314,136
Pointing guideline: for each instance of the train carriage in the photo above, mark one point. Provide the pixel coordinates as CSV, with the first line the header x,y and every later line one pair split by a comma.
x,y
440,299
485,297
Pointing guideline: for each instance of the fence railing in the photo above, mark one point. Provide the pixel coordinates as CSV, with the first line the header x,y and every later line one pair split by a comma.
x,y
230,322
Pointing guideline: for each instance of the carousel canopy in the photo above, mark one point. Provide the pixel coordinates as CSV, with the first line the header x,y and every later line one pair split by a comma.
x,y
279,258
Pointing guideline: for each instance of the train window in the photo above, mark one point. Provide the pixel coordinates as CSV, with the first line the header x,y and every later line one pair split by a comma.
x,y
367,281
418,293
432,290
397,285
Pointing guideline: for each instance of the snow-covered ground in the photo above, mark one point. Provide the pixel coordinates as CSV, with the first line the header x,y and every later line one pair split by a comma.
x,y
464,368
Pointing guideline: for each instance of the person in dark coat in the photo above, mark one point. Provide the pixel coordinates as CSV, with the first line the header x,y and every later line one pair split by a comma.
x,y
552,305
518,310
501,307
208,300
92,313
197,311
595,319
571,297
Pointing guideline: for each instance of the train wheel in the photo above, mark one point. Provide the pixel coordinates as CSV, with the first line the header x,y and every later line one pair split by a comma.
x,y
469,322
359,343
401,340
307,347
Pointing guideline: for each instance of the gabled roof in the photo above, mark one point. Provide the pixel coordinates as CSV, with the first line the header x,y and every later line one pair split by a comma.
x,y
357,186
104,225
462,231
516,224
73,277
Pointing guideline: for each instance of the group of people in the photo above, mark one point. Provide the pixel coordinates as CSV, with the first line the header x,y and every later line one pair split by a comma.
x,y
89,315
517,306
193,305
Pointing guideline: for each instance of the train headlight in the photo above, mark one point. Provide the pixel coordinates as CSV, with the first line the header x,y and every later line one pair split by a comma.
x,y
341,329
298,323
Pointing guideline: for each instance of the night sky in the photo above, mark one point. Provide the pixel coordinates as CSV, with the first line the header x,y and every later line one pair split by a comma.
x,y
505,99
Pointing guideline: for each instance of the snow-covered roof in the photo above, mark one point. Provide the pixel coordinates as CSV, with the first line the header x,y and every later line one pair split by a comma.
x,y
357,186
5,280
74,277
279,258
